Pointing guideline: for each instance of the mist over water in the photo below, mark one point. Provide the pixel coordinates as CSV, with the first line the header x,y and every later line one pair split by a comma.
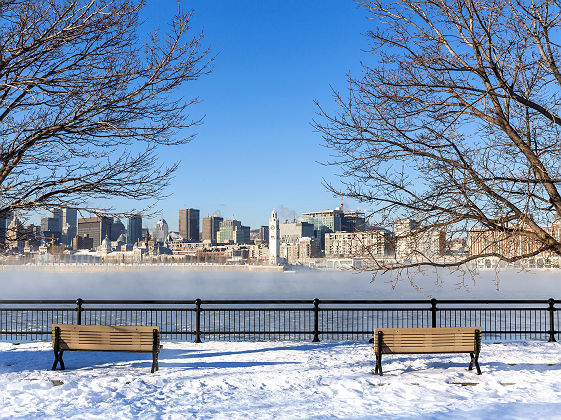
x,y
172,284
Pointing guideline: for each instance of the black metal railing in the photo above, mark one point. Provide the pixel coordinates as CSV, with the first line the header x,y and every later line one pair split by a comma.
x,y
311,320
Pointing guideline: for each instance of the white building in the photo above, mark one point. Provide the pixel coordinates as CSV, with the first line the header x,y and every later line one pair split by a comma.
x,y
300,251
274,239
373,244
414,243
161,231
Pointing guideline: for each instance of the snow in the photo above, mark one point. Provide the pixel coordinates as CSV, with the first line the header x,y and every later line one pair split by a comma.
x,y
238,380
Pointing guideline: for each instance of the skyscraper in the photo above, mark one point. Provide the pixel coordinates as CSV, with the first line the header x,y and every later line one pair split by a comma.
x,y
189,224
226,232
56,213
69,224
96,227
161,231
134,231
117,229
326,221
211,226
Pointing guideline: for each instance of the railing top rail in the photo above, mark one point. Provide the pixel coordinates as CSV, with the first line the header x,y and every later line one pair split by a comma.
x,y
279,301
38,301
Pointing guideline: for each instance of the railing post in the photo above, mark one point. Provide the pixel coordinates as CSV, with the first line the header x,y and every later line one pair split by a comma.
x,y
433,310
551,310
316,321
198,321
79,310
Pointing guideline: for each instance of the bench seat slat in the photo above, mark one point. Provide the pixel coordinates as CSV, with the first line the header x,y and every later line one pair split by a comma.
x,y
106,338
427,340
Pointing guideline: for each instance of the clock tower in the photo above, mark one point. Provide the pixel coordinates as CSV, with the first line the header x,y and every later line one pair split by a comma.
x,y
274,240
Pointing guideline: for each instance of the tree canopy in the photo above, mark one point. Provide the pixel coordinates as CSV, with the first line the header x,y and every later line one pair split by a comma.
x,y
87,99
455,122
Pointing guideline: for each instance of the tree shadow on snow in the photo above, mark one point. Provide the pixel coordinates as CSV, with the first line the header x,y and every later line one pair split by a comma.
x,y
220,365
25,360
302,347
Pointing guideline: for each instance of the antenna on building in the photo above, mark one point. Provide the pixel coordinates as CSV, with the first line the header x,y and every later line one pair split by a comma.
x,y
341,203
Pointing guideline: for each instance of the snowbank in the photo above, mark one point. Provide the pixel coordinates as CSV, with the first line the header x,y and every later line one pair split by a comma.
x,y
280,380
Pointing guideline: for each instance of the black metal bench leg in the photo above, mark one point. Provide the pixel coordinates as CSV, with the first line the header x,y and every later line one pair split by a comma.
x,y
155,366
471,361
378,370
58,359
476,361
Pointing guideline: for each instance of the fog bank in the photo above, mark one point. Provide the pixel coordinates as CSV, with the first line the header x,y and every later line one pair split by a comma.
x,y
170,284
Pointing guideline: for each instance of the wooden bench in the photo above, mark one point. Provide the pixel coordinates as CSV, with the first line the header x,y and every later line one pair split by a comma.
x,y
426,341
105,338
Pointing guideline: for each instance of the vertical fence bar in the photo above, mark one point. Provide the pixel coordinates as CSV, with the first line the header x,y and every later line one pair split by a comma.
x,y
79,309
316,321
198,321
551,310
433,310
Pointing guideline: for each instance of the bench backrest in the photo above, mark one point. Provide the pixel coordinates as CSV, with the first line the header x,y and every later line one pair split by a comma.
x,y
106,338
427,340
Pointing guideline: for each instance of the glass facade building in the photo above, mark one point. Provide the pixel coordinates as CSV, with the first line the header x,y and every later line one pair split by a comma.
x,y
134,231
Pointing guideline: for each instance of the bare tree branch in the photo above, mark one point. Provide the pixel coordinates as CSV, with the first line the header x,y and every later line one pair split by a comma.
x,y
456,124
86,102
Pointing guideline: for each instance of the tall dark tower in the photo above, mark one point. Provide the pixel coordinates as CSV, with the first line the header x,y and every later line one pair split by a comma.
x,y
134,231
211,225
189,224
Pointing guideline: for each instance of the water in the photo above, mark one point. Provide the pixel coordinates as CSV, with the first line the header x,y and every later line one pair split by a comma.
x,y
188,285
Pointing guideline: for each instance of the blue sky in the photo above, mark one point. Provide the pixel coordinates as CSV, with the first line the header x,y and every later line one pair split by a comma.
x,y
256,149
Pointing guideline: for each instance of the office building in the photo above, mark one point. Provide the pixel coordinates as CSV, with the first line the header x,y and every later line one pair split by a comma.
x,y
189,224
291,232
264,235
374,244
50,224
412,242
241,234
326,221
82,242
3,227
56,213
96,228
226,233
211,226
302,250
69,217
117,229
161,231
134,231
353,221
69,224
510,243
15,235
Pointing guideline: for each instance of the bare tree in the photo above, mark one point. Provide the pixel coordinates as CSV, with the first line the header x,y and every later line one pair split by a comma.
x,y
87,99
455,122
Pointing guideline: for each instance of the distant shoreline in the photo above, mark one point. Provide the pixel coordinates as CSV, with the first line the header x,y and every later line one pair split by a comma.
x,y
94,268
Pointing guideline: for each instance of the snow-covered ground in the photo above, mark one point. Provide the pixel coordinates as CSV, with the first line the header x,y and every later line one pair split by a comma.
x,y
280,380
